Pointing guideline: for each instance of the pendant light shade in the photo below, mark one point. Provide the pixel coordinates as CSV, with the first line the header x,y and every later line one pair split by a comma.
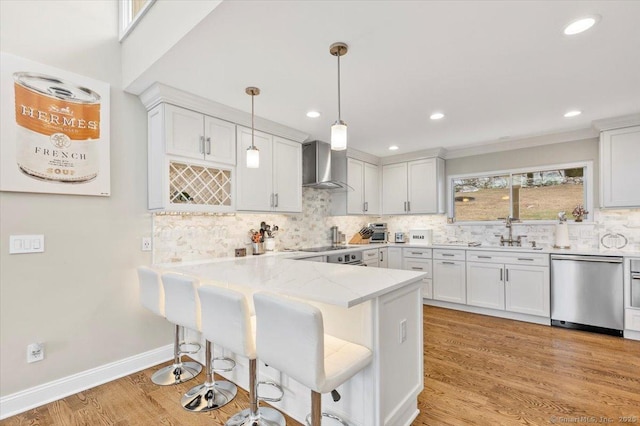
x,y
339,128
253,153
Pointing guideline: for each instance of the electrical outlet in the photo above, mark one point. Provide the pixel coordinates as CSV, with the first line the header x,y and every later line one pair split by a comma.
x,y
35,352
146,243
402,332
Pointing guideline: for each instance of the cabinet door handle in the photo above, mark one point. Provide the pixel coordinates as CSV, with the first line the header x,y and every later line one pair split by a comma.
x,y
366,206
448,263
484,257
526,258
381,257
416,268
276,200
208,146
506,271
500,274
448,254
416,252
405,206
201,147
408,206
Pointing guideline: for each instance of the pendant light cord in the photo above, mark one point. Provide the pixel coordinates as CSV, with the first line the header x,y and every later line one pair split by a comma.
x,y
252,122
339,112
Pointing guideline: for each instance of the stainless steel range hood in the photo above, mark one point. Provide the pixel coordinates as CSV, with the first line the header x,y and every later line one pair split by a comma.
x,y
323,168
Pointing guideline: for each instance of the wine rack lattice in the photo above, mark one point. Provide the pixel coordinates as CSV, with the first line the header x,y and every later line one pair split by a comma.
x,y
191,184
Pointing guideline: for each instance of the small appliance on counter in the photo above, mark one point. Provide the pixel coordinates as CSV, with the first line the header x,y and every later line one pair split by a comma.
x,y
380,234
421,236
562,232
400,237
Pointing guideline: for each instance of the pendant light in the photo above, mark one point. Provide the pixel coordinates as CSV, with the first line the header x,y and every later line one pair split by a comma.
x,y
253,154
339,128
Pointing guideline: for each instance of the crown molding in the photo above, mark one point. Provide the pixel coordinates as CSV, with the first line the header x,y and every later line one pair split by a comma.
x,y
159,93
616,122
362,156
415,155
508,145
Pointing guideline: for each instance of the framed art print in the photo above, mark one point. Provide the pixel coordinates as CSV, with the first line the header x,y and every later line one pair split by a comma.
x,y
54,130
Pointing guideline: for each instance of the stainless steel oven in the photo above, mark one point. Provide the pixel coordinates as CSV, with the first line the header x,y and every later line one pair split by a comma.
x,y
380,233
635,283
351,258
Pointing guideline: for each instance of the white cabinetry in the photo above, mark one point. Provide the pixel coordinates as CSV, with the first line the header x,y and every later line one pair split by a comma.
x,y
449,276
194,135
384,257
619,167
394,258
419,260
190,168
364,195
371,257
515,282
277,184
414,187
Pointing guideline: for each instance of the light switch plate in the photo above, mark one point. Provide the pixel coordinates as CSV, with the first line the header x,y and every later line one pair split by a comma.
x,y
22,244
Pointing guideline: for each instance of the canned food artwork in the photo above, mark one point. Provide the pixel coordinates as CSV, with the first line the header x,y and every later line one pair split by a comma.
x,y
58,128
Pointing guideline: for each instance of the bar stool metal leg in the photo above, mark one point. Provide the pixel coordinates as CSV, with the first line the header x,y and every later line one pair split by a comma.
x,y
179,371
212,394
256,415
315,417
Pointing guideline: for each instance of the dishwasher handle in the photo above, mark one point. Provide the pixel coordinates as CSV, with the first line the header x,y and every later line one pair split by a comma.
x,y
574,257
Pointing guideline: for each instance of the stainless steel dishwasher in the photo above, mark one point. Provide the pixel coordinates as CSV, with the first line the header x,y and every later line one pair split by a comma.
x,y
587,293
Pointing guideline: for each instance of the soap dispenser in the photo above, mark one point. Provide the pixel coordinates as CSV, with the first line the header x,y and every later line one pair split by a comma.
x,y
562,232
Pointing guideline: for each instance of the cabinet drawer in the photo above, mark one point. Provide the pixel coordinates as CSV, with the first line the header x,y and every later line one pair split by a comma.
x,y
417,253
369,254
509,258
371,263
448,254
632,319
419,265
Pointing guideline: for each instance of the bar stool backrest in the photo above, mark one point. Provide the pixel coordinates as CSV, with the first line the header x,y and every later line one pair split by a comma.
x,y
151,290
182,304
290,338
226,319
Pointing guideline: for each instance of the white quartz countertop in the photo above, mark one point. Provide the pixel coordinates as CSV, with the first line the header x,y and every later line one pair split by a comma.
x,y
334,284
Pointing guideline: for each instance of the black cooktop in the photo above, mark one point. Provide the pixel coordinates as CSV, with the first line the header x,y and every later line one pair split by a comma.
x,y
325,248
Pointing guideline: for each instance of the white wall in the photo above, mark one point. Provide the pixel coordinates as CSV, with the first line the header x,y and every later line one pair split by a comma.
x,y
79,297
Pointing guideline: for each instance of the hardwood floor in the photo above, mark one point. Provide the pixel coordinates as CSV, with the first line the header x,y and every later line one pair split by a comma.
x,y
478,370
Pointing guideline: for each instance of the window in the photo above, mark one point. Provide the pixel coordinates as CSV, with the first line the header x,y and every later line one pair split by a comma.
x,y
131,11
530,194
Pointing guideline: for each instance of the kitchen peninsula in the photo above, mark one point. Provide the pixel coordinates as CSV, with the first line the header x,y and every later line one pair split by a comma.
x,y
377,308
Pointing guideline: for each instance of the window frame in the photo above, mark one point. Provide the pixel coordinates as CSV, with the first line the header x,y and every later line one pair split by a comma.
x,y
126,23
588,185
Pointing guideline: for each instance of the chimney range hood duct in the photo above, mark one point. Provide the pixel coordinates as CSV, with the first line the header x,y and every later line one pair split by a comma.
x,y
323,168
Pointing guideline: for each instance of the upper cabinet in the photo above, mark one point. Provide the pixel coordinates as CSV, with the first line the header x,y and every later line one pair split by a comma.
x,y
363,194
185,171
194,135
619,167
277,184
414,187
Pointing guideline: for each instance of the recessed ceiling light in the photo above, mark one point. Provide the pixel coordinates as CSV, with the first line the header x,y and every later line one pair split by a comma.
x,y
313,114
580,25
437,116
573,113
393,148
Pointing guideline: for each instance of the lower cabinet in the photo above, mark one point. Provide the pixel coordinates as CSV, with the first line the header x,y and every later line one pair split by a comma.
x,y
419,260
514,282
394,258
449,276
527,290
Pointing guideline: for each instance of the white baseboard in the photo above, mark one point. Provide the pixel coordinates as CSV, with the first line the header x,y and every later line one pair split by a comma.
x,y
36,396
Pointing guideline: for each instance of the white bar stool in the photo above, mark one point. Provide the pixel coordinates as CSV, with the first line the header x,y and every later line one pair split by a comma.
x,y
152,297
226,319
290,338
182,305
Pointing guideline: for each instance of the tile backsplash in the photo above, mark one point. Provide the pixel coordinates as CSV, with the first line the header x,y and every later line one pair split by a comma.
x,y
189,237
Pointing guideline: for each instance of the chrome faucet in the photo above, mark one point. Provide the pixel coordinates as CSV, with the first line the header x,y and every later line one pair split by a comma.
x,y
508,222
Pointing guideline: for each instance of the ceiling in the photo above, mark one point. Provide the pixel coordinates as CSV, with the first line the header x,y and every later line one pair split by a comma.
x,y
499,70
